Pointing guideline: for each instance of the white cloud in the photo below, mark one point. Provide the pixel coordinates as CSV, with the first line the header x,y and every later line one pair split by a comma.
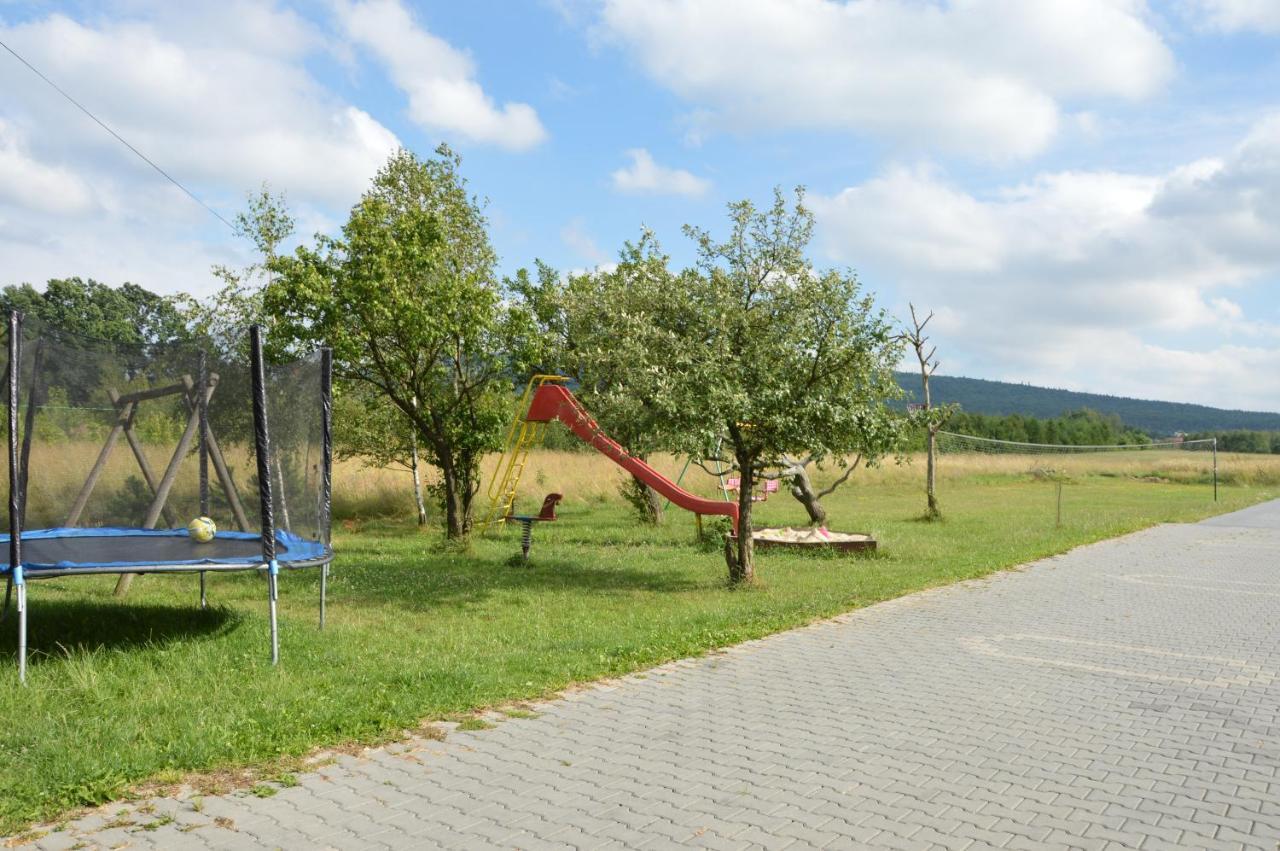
x,y
574,234
984,77
220,97
438,79
1236,15
182,99
29,183
1077,273
648,177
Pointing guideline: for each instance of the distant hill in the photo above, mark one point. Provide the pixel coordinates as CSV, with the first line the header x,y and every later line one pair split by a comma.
x,y
979,396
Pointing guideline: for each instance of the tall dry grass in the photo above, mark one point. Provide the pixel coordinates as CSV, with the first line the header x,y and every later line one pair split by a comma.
x,y
361,490
586,477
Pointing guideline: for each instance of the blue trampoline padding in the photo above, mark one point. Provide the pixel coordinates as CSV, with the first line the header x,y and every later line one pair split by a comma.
x,y
74,547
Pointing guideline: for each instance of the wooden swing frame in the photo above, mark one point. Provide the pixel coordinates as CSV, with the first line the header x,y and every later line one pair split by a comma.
x,y
196,396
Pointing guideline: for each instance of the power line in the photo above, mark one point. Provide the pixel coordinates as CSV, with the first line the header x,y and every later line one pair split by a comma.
x,y
118,137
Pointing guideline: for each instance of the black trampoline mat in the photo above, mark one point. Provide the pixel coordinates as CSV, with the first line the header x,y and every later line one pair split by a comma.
x,y
89,550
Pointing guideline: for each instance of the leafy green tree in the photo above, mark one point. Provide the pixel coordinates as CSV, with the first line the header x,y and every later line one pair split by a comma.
x,y
128,314
758,352
131,328
267,223
409,300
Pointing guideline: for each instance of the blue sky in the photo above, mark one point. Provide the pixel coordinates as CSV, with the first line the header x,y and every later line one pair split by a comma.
x,y
1086,192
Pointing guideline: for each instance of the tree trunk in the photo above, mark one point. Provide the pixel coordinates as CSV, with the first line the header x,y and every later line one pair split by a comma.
x,y
454,520
656,504
931,473
802,489
417,477
740,555
469,488
645,500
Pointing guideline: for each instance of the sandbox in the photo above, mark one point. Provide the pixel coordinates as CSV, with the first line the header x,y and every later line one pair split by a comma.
x,y
807,538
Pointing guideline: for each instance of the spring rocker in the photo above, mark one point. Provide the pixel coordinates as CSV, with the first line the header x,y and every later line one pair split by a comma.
x,y
526,521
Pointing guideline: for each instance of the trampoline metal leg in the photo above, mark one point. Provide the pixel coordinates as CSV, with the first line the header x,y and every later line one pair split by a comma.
x,y
204,598
324,587
22,632
272,580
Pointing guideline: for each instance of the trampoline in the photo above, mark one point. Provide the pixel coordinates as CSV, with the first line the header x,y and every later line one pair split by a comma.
x,y
114,449
70,551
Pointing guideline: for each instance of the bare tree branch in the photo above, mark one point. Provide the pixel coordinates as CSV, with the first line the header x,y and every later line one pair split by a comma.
x,y
725,466
844,478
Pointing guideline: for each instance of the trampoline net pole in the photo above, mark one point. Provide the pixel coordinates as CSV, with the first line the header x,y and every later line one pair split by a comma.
x,y
202,400
262,444
15,486
326,470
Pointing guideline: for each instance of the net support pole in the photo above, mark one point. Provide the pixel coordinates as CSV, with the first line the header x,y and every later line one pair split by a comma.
x,y
262,443
326,468
202,400
1215,469
15,491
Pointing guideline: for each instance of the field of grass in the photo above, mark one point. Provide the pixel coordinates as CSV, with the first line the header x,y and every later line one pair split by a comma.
x,y
150,688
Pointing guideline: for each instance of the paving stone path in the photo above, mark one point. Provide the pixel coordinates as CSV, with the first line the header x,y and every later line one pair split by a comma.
x,y
1123,695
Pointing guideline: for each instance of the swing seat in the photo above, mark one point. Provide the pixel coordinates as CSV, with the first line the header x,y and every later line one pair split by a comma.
x,y
770,486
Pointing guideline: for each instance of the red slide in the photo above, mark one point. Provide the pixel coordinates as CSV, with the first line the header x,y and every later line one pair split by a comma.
x,y
554,402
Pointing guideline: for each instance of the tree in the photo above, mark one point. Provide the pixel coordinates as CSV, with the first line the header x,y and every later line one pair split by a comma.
x,y
267,223
933,418
128,315
409,301
138,323
582,336
758,352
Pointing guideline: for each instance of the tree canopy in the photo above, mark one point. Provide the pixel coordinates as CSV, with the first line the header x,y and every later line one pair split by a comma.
x,y
592,329
753,354
409,301
126,315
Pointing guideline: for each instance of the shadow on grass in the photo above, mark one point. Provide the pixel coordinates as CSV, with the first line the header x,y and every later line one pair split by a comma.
x,y
433,581
58,627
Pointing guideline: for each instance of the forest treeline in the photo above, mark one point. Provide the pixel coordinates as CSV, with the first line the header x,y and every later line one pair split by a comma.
x,y
1076,428
1243,440
1157,419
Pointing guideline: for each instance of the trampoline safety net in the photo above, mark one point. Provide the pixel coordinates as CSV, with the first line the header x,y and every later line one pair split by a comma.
x,y
113,450
119,447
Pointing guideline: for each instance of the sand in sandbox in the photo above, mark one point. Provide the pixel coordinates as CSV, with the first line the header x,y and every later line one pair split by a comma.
x,y
807,535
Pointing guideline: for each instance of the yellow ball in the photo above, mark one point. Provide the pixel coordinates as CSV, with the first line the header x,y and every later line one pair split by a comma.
x,y
202,530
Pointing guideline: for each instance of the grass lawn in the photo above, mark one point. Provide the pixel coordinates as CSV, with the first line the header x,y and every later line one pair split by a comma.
x,y
122,692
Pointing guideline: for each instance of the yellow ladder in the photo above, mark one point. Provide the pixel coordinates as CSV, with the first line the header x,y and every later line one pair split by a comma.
x,y
521,437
